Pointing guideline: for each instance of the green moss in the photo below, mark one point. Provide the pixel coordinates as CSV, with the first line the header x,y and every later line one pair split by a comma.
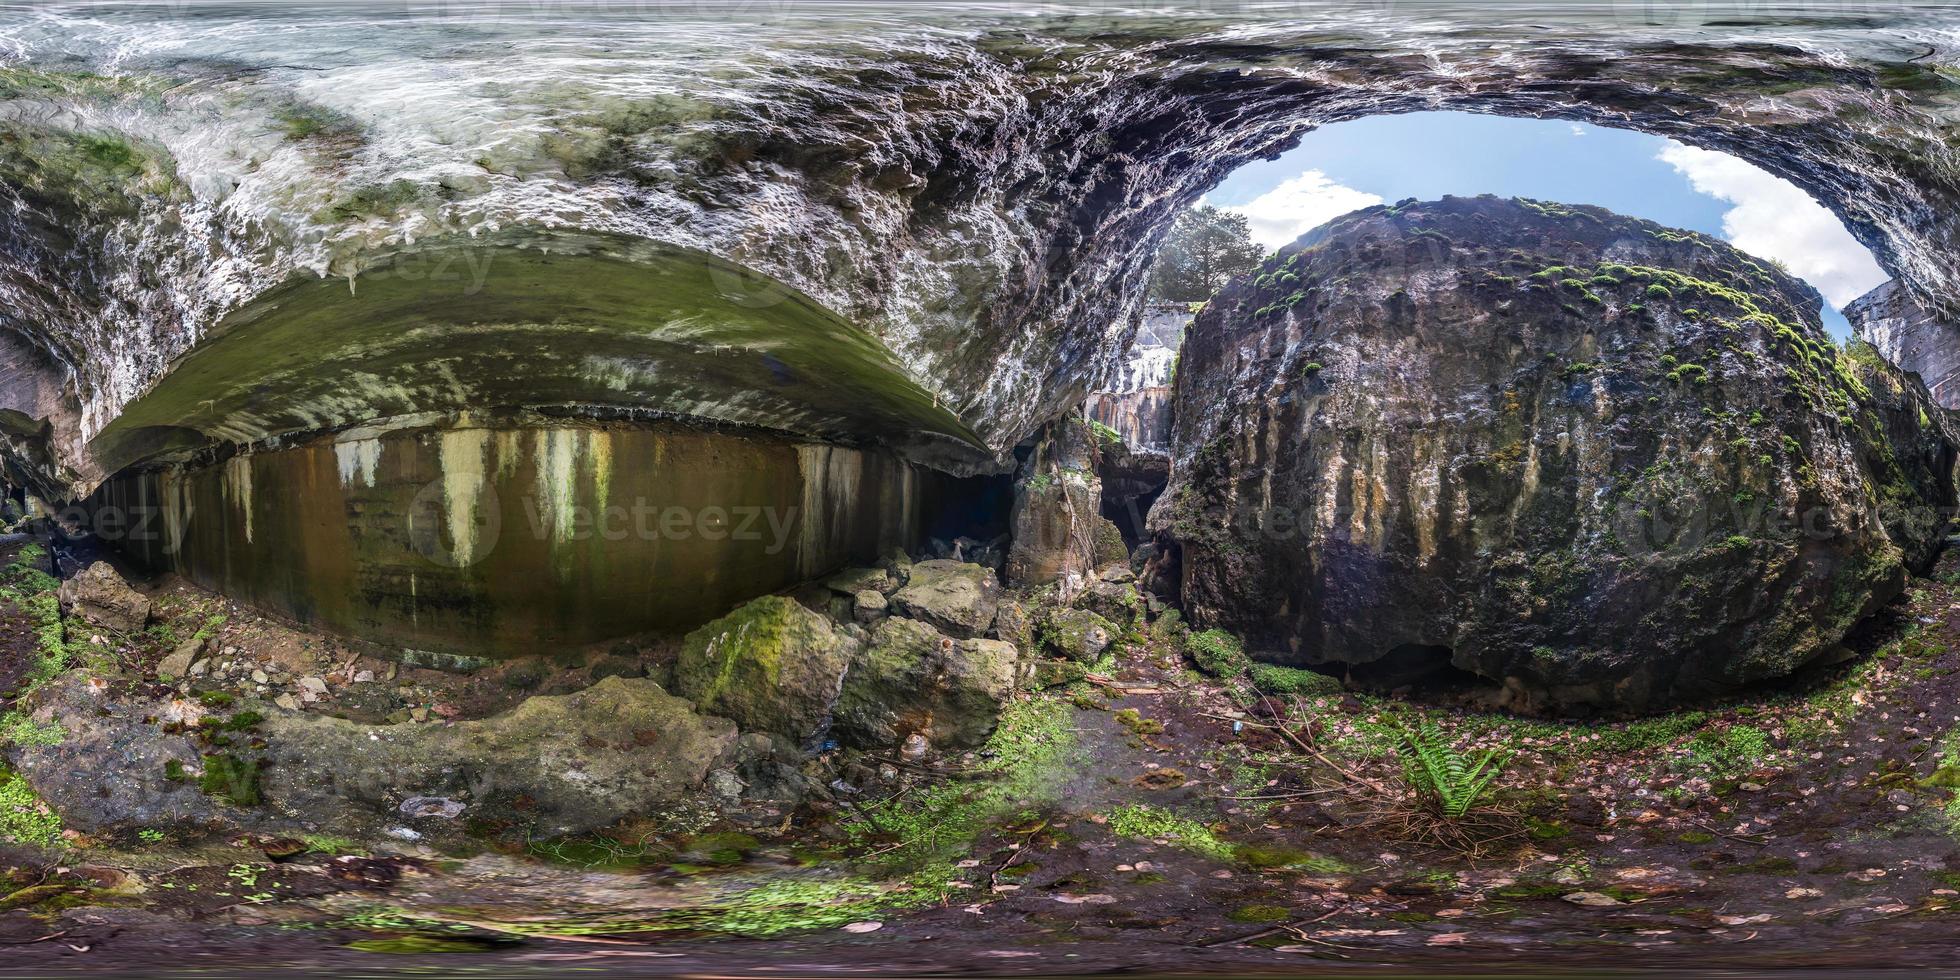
x,y
1217,653
1729,752
1152,823
1274,679
1133,720
1278,856
234,780
1261,913
18,729
417,945
24,819
31,590
785,906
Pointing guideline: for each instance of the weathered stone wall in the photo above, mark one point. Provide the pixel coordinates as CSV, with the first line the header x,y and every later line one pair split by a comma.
x,y
1908,335
507,541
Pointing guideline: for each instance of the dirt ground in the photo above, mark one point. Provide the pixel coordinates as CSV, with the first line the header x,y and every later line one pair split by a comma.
x,y
1159,822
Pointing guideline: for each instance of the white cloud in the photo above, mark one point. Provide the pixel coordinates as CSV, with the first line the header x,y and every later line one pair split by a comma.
x,y
1772,218
1578,130
1299,204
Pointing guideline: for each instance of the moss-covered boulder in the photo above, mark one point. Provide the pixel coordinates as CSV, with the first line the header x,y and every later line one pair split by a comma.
x,y
1217,653
911,678
955,597
1597,460
1075,634
771,665
1274,679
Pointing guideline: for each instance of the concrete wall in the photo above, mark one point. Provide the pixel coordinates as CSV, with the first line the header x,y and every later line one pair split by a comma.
x,y
502,542
1889,319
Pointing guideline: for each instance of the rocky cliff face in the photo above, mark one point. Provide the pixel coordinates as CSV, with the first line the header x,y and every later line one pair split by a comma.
x,y
1598,460
977,193
1136,401
1907,334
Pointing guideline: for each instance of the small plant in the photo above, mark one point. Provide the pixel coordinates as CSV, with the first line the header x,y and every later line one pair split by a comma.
x,y
150,836
323,844
1446,782
18,729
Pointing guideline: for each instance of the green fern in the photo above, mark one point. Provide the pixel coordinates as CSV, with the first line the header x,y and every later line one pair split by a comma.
x,y
1447,782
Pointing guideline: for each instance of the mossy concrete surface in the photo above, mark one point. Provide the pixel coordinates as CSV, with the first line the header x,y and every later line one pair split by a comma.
x,y
577,323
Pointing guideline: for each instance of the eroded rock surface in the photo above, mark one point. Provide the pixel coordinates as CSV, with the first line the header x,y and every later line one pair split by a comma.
x,y
1599,460
1908,334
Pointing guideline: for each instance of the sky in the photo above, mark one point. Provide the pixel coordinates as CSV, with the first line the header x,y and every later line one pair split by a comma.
x,y
1346,166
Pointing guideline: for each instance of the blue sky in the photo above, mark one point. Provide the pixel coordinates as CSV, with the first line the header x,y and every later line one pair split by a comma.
x,y
1345,166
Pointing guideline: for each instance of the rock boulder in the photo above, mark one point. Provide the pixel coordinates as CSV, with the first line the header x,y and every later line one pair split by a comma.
x,y
955,597
1598,460
771,665
100,596
912,678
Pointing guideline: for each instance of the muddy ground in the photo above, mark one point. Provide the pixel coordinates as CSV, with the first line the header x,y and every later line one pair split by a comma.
x,y
1147,819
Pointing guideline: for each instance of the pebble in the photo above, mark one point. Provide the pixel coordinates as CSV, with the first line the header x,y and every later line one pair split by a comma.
x,y
260,677
1592,900
287,702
